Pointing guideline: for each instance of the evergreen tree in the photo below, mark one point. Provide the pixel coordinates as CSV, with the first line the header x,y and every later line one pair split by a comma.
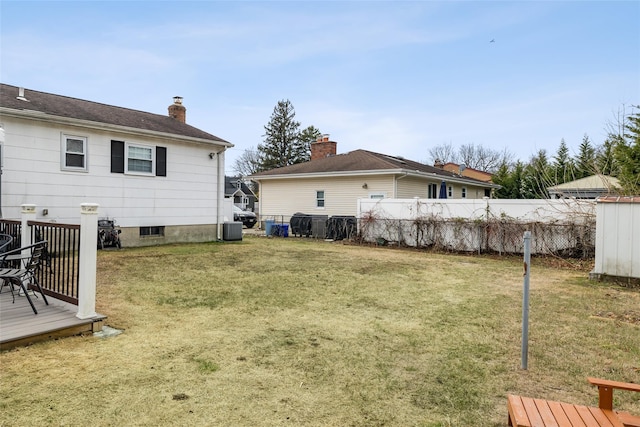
x,y
586,160
606,162
503,178
562,165
307,136
282,143
517,178
536,177
510,178
627,154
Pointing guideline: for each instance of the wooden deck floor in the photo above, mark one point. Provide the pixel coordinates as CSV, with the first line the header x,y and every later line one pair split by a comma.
x,y
19,326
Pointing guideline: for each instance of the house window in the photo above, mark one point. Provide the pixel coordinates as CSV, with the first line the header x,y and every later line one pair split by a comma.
x,y
138,159
464,192
432,191
320,199
450,192
74,153
156,231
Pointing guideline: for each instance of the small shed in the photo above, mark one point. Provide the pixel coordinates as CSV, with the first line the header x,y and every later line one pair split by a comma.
x,y
617,239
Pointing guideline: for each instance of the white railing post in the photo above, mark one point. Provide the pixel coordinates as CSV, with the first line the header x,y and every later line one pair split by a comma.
x,y
28,213
88,256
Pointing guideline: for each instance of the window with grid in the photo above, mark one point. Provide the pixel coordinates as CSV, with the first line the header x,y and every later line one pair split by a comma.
x,y
74,153
139,159
320,199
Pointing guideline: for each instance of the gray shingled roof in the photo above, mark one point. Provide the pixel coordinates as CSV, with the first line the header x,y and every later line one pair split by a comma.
x,y
359,161
63,106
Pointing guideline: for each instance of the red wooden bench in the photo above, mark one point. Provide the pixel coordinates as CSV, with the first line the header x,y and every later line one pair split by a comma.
x,y
529,412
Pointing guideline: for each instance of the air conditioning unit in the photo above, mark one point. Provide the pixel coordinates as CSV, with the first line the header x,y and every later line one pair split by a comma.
x,y
231,231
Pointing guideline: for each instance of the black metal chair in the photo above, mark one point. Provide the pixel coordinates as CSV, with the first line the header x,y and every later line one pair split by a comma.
x,y
23,276
5,242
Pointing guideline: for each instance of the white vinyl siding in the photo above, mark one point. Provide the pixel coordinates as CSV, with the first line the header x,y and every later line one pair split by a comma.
x,y
410,187
31,174
284,197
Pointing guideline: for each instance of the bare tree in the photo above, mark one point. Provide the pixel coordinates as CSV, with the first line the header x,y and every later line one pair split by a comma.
x,y
248,163
483,158
443,153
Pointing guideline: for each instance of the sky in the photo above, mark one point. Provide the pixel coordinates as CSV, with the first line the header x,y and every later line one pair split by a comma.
x,y
397,78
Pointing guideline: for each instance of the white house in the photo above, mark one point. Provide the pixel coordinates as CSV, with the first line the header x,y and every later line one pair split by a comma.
x,y
331,183
160,179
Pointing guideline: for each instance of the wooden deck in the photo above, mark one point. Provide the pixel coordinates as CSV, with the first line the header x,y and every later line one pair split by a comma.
x,y
19,326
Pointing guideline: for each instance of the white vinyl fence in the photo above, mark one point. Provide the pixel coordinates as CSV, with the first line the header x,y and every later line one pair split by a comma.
x,y
558,227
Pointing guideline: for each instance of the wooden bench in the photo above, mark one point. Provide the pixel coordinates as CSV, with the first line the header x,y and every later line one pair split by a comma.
x,y
529,412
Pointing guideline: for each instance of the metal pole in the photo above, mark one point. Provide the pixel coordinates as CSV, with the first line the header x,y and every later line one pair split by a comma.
x,y
525,299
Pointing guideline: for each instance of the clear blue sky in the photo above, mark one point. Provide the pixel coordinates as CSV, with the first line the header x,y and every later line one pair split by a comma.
x,y
392,77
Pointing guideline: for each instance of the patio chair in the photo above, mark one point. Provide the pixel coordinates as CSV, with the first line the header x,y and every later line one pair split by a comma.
x,y
24,276
5,242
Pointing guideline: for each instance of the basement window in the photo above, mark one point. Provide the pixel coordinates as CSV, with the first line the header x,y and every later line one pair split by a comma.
x,y
154,231
74,153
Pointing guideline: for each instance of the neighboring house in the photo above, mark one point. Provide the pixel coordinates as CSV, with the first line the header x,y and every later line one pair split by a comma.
x,y
591,187
330,183
466,171
160,179
236,189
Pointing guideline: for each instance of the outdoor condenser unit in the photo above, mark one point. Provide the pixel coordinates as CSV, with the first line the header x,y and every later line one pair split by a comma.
x,y
232,231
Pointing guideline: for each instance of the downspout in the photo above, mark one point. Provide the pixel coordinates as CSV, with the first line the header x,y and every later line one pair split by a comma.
x,y
220,201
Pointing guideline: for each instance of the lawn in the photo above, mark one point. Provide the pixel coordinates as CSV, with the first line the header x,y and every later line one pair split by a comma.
x,y
270,332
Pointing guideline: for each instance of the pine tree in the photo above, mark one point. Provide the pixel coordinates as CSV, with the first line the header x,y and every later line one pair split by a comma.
x,y
627,154
536,177
563,165
586,160
282,144
606,162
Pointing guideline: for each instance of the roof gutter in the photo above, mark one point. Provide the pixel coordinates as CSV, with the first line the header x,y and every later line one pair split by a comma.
x,y
28,114
405,173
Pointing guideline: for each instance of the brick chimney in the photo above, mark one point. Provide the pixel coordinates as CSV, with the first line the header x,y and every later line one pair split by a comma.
x,y
177,110
322,148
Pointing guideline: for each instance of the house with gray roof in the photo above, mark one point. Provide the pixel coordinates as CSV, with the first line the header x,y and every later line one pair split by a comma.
x,y
159,178
590,187
330,183
243,197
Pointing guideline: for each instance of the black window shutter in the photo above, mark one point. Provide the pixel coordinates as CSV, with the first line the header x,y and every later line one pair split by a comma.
x,y
161,161
117,157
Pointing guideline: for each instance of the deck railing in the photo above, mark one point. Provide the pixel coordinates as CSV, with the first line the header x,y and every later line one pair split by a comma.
x,y
60,272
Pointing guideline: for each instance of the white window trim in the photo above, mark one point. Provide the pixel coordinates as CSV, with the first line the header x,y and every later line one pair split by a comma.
x,y
324,199
63,153
126,159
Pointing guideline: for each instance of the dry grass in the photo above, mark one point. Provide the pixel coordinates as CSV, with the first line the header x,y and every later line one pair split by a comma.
x,y
299,332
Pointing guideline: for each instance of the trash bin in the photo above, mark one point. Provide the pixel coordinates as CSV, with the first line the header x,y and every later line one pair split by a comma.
x,y
284,230
268,226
